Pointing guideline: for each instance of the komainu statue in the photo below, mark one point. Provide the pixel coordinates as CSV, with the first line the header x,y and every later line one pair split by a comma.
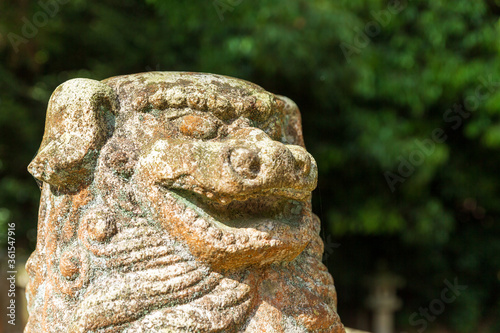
x,y
176,202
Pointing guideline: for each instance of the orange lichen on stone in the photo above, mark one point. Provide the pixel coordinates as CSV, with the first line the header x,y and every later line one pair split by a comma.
x,y
176,202
197,127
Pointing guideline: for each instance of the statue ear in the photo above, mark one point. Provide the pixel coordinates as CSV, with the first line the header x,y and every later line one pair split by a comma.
x,y
79,118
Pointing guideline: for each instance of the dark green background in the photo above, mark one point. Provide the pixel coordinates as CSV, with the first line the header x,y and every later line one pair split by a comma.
x,y
367,116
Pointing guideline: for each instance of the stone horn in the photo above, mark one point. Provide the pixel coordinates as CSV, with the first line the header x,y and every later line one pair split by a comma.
x,y
80,116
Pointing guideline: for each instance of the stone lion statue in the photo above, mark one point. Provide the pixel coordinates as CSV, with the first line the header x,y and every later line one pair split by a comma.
x,y
176,202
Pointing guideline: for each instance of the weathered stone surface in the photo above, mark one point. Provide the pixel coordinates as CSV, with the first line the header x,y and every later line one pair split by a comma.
x,y
176,202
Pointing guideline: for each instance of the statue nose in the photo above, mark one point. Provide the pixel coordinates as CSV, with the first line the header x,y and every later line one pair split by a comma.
x,y
245,161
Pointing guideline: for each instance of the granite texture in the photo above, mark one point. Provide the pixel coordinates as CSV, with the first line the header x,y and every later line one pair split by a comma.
x,y
176,202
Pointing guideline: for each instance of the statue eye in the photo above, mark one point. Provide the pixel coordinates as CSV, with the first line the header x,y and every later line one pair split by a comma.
x,y
274,132
273,128
198,127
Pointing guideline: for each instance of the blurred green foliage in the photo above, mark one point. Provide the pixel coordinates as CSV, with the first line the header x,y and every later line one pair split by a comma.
x,y
374,80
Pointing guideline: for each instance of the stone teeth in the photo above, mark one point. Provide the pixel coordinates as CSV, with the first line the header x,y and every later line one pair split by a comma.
x,y
215,233
201,223
243,238
190,214
229,239
224,200
198,190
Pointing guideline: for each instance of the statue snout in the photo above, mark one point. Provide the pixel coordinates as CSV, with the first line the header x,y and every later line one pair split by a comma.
x,y
235,167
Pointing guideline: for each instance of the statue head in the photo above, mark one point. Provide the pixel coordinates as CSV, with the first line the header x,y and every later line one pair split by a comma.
x,y
164,191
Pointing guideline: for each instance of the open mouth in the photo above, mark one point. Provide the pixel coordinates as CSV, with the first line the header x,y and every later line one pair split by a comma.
x,y
257,211
257,228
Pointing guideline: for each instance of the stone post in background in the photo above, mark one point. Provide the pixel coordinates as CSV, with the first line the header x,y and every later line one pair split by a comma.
x,y
383,301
